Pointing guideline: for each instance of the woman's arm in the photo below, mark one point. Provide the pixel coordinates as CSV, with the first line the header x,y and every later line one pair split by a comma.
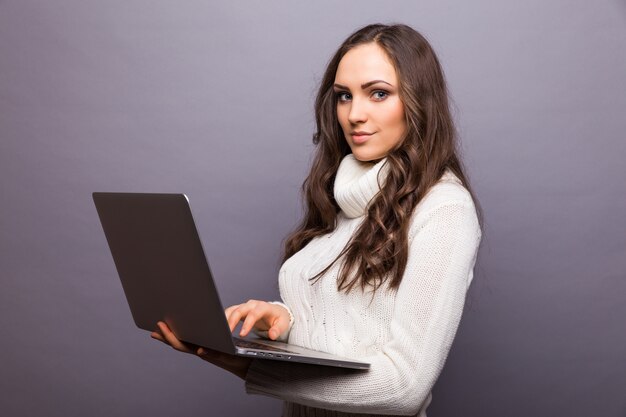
x,y
426,315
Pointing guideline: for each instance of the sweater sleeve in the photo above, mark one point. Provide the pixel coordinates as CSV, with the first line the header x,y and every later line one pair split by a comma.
x,y
427,312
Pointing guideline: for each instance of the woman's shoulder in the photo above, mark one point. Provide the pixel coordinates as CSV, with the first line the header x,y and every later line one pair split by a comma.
x,y
448,192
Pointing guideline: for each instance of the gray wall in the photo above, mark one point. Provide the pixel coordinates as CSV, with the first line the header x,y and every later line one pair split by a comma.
x,y
214,99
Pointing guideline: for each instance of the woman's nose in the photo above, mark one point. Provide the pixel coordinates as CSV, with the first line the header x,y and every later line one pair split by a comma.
x,y
357,112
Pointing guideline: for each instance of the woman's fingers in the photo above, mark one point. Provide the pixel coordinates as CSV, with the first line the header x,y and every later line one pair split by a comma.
x,y
241,312
230,310
171,340
274,332
211,355
235,316
251,319
157,336
236,365
254,314
279,325
260,315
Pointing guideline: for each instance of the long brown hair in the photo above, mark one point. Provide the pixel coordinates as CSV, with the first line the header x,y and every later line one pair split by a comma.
x,y
378,250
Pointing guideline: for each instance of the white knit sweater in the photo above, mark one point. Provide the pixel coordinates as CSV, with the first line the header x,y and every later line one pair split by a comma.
x,y
404,334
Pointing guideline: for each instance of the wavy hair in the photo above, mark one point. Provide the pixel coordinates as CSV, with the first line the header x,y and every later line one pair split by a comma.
x,y
378,251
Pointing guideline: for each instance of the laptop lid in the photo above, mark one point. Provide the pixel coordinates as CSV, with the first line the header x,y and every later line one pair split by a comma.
x,y
161,264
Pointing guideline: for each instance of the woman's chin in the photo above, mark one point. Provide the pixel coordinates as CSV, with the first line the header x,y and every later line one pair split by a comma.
x,y
364,156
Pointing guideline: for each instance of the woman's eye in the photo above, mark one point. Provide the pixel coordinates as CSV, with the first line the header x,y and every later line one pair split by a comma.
x,y
380,95
343,96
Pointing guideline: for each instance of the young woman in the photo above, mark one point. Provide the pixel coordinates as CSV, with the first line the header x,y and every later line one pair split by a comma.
x,y
380,265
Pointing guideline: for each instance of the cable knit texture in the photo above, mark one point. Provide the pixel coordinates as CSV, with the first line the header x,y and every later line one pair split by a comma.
x,y
405,334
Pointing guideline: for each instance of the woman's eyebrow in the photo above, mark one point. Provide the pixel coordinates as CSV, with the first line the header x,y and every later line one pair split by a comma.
x,y
364,86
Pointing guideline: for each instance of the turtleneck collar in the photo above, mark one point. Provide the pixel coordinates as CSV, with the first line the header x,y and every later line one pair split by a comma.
x,y
356,183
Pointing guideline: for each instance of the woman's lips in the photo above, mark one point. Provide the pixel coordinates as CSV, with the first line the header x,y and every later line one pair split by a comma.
x,y
360,137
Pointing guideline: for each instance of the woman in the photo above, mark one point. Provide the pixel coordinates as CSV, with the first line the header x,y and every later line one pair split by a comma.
x,y
380,265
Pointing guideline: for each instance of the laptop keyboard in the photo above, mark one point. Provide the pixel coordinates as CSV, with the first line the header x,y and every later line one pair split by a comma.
x,y
248,344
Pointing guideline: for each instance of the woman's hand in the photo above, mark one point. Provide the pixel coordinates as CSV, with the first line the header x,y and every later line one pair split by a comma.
x,y
260,315
234,364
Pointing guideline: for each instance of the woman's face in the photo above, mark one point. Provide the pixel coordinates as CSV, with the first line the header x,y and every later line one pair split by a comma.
x,y
369,108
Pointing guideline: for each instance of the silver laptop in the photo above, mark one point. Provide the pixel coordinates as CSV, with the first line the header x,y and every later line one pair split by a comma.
x,y
166,277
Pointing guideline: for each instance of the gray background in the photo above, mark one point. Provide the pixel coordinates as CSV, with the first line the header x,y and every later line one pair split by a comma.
x,y
214,99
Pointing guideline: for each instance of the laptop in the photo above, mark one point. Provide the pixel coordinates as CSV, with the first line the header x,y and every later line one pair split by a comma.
x,y
166,277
